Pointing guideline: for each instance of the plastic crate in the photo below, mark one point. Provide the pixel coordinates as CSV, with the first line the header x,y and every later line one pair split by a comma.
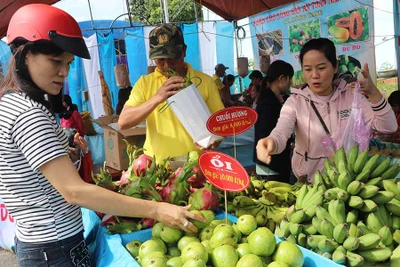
x,y
311,259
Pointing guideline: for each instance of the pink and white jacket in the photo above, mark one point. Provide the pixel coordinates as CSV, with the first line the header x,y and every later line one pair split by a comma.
x,y
298,116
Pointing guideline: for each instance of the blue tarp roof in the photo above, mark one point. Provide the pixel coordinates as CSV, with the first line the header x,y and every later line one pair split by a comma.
x,y
87,29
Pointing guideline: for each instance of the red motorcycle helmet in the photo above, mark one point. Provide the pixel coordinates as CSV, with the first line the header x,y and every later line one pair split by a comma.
x,y
40,22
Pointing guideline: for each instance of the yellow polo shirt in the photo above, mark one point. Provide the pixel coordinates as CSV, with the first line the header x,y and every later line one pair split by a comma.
x,y
217,81
165,135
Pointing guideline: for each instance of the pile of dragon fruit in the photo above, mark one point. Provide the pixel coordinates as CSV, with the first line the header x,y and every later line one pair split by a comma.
x,y
147,179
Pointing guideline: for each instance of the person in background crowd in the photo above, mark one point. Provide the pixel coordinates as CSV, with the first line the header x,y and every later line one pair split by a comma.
x,y
256,78
394,101
70,116
220,70
228,81
165,135
39,184
332,100
123,96
269,104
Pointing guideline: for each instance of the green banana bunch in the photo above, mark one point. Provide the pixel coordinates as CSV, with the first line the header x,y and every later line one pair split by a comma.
x,y
386,234
368,206
313,240
340,232
368,241
395,257
339,256
376,254
243,201
371,164
391,172
352,216
274,184
354,260
351,243
328,245
368,191
300,196
354,187
373,223
381,168
337,210
354,231
352,157
360,162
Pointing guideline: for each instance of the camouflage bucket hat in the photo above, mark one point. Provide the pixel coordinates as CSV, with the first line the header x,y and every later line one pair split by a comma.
x,y
166,41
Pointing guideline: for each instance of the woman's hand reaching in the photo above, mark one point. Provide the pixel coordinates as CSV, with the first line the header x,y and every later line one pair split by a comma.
x,y
177,217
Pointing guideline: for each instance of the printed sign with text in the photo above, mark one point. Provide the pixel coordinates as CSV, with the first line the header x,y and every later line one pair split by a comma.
x,y
223,171
231,121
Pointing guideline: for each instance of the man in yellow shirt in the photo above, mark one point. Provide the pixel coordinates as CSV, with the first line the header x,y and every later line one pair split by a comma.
x,y
219,73
165,135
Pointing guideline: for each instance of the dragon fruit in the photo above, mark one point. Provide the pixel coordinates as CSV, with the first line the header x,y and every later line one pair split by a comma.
x,y
198,179
141,164
147,223
204,199
124,178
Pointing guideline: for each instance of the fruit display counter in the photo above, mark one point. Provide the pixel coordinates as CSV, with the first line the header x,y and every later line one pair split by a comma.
x,y
109,250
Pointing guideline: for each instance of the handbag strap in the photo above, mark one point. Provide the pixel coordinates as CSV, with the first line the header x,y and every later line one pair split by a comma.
x,y
319,117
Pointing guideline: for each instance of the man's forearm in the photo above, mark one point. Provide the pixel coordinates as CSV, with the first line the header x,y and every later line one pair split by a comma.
x,y
132,116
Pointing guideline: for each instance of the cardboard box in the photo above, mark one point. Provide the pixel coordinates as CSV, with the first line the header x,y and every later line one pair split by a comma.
x,y
115,147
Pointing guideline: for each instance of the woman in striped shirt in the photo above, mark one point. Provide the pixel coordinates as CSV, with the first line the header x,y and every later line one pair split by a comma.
x,y
38,182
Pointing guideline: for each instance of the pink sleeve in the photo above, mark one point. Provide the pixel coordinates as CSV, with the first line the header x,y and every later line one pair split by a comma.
x,y
380,116
79,122
285,125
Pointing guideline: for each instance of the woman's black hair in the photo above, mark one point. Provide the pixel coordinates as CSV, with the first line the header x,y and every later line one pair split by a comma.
x,y
278,68
18,77
275,70
323,45
394,98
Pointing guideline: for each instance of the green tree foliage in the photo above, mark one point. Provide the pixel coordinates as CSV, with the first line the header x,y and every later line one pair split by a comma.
x,y
149,12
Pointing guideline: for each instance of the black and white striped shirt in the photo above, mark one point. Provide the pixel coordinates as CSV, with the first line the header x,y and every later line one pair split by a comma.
x,y
29,138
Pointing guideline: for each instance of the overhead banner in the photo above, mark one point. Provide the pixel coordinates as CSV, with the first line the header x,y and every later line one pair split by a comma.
x,y
282,32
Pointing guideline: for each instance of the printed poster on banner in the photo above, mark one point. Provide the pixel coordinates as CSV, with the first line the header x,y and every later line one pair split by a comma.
x,y
7,227
282,32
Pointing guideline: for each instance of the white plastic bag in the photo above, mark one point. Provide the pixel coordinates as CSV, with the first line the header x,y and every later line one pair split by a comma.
x,y
193,113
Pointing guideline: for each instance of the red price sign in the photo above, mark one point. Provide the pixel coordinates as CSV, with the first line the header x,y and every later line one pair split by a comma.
x,y
231,121
223,171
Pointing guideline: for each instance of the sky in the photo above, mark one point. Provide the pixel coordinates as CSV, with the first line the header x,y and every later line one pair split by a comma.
x,y
106,9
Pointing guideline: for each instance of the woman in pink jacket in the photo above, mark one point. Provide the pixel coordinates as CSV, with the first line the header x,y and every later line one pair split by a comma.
x,y
332,99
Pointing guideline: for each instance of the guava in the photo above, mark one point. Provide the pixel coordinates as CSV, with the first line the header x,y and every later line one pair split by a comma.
x,y
262,242
206,233
150,246
198,224
246,224
214,223
156,230
238,234
277,264
133,247
223,234
243,249
194,263
175,262
170,235
289,253
153,258
250,260
194,250
225,256
206,244
186,240
173,251
209,215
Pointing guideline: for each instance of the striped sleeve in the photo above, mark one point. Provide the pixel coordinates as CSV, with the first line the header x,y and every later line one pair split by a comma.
x,y
35,137
380,105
